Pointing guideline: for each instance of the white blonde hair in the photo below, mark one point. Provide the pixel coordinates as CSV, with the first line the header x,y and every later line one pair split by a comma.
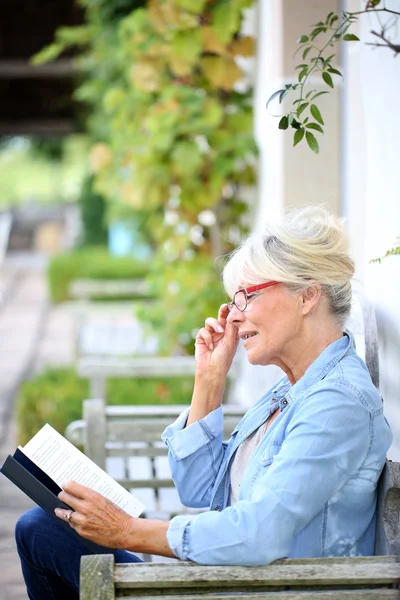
x,y
309,246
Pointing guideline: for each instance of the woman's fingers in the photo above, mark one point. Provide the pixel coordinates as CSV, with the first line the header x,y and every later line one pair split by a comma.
x,y
206,337
223,312
214,325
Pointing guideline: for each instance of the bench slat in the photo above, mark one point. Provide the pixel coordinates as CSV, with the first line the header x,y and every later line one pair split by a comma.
x,y
381,594
149,430
307,574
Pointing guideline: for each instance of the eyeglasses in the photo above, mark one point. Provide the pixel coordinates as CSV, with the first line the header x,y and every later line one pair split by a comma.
x,y
241,297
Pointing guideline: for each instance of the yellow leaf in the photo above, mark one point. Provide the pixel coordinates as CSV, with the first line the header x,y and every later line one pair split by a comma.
x,y
180,66
146,75
165,16
211,43
222,72
243,46
132,195
100,157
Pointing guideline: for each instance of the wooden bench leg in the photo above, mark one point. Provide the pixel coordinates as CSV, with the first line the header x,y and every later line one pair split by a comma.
x,y
97,577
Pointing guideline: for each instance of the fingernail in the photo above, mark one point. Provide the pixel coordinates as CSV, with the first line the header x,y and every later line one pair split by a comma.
x,y
220,329
211,347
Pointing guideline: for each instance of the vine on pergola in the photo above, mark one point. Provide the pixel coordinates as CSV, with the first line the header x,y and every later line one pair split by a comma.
x,y
174,131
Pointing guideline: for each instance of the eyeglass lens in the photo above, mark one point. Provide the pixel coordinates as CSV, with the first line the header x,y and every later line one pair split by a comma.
x,y
240,300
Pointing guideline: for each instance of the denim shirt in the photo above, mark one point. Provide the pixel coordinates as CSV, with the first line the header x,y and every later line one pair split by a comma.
x,y
309,489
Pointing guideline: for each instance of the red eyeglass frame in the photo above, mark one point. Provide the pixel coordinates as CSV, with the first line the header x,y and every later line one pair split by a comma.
x,y
250,290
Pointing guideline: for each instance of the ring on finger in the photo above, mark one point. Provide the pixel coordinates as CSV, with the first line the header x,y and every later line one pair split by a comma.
x,y
68,516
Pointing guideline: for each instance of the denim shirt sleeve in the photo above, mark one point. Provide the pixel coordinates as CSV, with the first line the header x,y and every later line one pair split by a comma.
x,y
327,442
195,454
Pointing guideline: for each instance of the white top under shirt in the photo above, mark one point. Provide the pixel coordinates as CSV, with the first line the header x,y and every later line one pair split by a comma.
x,y
242,457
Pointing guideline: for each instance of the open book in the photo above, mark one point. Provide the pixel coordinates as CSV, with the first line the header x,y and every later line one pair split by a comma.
x,y
48,460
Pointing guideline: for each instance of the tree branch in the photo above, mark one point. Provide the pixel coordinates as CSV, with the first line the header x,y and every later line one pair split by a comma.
x,y
387,44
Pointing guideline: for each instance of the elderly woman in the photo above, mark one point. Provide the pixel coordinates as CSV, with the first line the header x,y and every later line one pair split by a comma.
x,y
298,477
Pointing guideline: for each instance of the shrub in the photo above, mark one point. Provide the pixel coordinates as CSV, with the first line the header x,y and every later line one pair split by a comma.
x,y
93,209
56,395
89,263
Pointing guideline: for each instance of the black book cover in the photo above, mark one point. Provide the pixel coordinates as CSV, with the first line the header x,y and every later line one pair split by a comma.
x,y
40,488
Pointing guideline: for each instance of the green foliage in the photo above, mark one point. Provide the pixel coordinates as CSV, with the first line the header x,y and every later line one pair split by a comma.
x,y
332,31
56,395
89,263
93,209
174,138
191,283
392,252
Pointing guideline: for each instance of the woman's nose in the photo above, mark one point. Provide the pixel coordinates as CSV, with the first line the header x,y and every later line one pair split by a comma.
x,y
235,315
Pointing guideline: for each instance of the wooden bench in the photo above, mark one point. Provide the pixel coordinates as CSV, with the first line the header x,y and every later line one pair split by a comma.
x,y
126,442
98,369
85,289
358,578
355,578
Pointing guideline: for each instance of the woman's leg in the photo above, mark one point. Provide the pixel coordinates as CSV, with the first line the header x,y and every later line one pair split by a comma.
x,y
50,557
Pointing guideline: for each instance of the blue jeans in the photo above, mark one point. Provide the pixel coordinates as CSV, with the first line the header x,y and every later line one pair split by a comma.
x,y
50,557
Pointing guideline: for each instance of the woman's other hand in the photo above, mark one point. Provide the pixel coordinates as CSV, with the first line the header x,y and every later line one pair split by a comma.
x,y
216,344
99,520
93,517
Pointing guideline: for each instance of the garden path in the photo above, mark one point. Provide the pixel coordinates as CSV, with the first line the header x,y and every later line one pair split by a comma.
x,y
28,328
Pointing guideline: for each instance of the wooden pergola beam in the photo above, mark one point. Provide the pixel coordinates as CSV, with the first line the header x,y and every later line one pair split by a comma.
x,y
21,69
38,127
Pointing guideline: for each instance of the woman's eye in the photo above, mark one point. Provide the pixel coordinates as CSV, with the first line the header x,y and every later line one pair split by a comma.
x,y
251,296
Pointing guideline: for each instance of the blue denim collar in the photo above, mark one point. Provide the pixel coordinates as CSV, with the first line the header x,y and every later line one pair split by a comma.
x,y
285,393
321,365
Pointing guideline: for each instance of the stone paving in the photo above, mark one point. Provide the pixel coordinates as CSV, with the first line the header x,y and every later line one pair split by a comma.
x,y
31,334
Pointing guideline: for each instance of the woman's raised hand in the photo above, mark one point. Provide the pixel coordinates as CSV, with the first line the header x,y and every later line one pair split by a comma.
x,y
216,343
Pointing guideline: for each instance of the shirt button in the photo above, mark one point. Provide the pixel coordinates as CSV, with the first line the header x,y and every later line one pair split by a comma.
x,y
284,402
217,507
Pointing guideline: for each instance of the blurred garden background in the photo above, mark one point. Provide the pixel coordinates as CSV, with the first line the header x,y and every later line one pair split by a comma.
x,y
136,151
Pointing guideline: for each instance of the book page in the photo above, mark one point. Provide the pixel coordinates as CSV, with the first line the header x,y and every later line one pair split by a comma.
x,y
57,457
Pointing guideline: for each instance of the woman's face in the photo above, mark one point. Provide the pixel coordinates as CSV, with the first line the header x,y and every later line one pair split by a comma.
x,y
271,325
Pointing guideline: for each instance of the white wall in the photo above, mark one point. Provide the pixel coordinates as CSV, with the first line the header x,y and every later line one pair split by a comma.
x,y
371,169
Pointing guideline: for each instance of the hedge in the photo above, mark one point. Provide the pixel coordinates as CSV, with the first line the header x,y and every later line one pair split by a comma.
x,y
89,263
56,395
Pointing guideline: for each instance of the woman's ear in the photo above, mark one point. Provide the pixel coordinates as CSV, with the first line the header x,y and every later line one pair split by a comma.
x,y
310,298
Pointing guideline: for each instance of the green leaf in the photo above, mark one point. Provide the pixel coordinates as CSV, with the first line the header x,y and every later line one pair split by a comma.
x,y
290,118
314,110
334,71
302,39
226,20
334,18
318,94
328,79
302,108
312,142
283,94
317,32
298,136
295,124
302,74
274,95
315,126
350,37
300,66
306,52
48,53
284,122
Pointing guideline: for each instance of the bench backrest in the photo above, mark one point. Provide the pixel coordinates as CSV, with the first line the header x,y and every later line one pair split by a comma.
x,y
126,442
99,369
